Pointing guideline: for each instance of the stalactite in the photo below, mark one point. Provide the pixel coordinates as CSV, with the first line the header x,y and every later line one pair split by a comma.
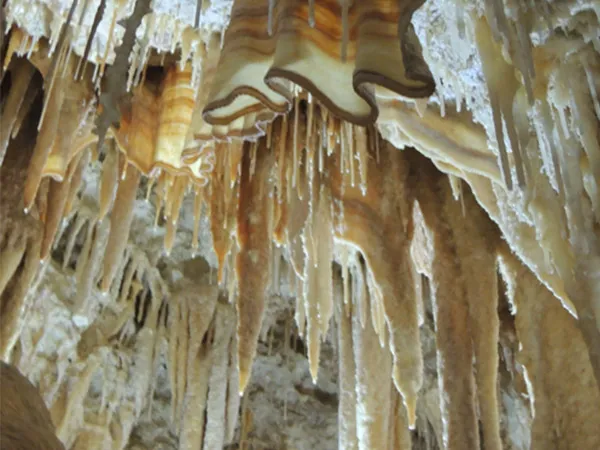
x,y
199,201
182,334
44,142
310,291
386,252
373,389
254,240
502,86
452,324
57,60
174,326
13,248
75,175
563,412
192,431
89,272
109,181
318,250
121,217
175,201
399,434
215,434
96,22
86,249
347,433
233,395
476,241
13,301
128,278
120,272
57,198
218,213
78,222
23,73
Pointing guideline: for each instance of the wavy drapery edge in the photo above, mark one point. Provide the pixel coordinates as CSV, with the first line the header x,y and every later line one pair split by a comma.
x,y
282,79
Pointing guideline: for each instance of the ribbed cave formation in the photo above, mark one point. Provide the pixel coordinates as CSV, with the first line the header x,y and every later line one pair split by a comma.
x,y
303,223
260,68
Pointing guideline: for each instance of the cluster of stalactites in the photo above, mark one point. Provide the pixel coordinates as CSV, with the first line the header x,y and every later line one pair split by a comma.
x,y
156,127
546,98
98,37
141,325
316,189
312,183
317,215
563,97
20,242
144,326
192,93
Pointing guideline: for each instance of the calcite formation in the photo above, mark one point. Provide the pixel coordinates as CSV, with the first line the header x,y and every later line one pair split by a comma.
x,y
21,408
304,223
